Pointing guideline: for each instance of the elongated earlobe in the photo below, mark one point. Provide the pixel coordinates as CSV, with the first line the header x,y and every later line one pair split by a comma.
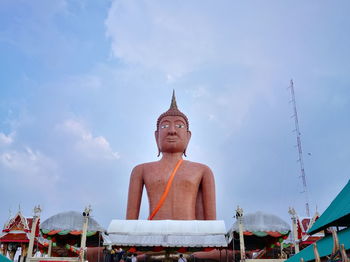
x,y
185,152
158,152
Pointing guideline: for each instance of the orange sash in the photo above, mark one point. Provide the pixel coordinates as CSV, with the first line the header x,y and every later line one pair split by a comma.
x,y
166,191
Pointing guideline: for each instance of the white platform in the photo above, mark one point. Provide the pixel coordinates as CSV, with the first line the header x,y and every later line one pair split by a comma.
x,y
167,233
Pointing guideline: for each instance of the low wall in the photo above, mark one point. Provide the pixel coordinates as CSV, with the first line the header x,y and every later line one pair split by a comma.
x,y
265,260
55,259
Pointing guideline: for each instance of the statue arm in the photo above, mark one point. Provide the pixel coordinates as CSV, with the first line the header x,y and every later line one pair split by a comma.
x,y
135,193
199,205
208,191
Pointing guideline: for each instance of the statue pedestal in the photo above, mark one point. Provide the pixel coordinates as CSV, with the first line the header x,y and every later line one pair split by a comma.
x,y
168,237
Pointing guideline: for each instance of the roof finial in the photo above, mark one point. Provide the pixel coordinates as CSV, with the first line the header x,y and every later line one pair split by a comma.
x,y
173,101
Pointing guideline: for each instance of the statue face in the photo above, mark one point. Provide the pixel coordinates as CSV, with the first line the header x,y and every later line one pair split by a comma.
x,y
172,136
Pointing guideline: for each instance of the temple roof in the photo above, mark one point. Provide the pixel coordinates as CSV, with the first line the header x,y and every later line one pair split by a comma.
x,y
15,237
17,229
324,247
71,221
337,214
262,222
4,258
18,223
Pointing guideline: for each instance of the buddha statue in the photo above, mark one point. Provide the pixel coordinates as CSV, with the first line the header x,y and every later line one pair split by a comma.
x,y
177,189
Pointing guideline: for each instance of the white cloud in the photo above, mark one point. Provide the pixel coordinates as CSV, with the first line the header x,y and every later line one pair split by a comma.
x,y
6,139
27,166
30,167
165,36
228,109
199,92
90,146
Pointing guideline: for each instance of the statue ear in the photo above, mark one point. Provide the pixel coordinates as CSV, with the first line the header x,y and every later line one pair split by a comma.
x,y
189,134
156,134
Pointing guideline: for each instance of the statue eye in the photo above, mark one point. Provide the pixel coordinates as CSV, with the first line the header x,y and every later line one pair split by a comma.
x,y
179,126
164,126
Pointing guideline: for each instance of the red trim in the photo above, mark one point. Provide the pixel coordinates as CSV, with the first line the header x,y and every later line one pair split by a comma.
x,y
53,232
15,241
74,232
132,249
10,237
23,229
9,230
208,249
182,250
274,234
157,249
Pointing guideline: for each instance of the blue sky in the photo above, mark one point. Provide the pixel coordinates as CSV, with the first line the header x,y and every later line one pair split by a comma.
x,y
83,82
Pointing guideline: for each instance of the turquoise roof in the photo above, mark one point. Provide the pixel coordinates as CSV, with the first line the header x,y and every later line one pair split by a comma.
x,y
337,214
4,259
324,246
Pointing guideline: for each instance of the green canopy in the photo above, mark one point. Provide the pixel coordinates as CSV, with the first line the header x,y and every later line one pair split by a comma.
x,y
324,246
337,214
4,259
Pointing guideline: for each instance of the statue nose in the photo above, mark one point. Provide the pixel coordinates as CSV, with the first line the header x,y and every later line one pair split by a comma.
x,y
172,130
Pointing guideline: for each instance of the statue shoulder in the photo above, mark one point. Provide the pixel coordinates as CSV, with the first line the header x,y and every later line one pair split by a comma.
x,y
199,166
137,171
141,168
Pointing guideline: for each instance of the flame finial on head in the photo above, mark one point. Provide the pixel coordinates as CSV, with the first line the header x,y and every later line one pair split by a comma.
x,y
173,101
173,111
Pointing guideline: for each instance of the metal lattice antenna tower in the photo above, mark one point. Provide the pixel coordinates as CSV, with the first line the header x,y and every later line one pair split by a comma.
x,y
300,151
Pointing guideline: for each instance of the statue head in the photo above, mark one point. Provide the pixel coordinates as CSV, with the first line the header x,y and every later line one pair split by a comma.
x,y
172,134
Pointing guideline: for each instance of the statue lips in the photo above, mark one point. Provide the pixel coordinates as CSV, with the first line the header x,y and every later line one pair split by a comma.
x,y
172,139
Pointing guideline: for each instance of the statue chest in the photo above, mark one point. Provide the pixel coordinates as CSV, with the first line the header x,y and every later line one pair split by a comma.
x,y
183,181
